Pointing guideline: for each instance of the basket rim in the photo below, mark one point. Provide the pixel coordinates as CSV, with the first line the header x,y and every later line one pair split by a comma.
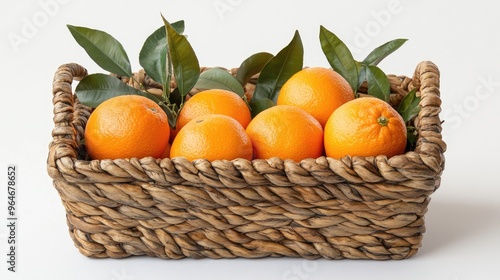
x,y
426,162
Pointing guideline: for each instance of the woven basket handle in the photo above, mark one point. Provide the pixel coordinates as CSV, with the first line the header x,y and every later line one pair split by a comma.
x,y
65,136
428,123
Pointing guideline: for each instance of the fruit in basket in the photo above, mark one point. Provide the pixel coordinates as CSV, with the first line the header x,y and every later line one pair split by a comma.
x,y
366,126
317,90
287,132
214,101
169,61
127,126
212,137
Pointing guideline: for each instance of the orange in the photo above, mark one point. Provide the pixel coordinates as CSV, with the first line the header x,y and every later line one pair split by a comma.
x,y
212,137
287,132
365,127
317,90
214,101
127,126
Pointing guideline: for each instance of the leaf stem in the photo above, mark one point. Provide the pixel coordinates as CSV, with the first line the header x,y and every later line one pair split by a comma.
x,y
142,87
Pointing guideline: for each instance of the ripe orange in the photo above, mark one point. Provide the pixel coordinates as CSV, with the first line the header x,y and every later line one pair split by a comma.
x,y
214,101
212,137
366,126
317,90
127,126
287,132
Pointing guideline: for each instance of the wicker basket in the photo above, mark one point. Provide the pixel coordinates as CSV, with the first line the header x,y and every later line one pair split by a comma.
x,y
354,208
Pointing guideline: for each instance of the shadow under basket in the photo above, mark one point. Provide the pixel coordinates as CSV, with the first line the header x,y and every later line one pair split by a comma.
x,y
353,208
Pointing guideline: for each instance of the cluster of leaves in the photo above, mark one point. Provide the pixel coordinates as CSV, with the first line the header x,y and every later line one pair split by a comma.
x,y
358,72
167,52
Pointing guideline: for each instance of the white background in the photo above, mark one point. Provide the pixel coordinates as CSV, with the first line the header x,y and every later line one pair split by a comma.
x,y
463,222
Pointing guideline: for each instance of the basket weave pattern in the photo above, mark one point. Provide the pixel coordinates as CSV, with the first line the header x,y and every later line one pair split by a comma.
x,y
355,208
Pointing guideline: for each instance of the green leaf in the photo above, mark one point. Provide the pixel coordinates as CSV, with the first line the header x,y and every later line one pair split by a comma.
x,y
257,106
184,61
167,75
409,106
411,138
178,26
361,75
251,66
378,83
339,56
105,50
97,88
216,78
152,56
176,99
279,69
381,52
